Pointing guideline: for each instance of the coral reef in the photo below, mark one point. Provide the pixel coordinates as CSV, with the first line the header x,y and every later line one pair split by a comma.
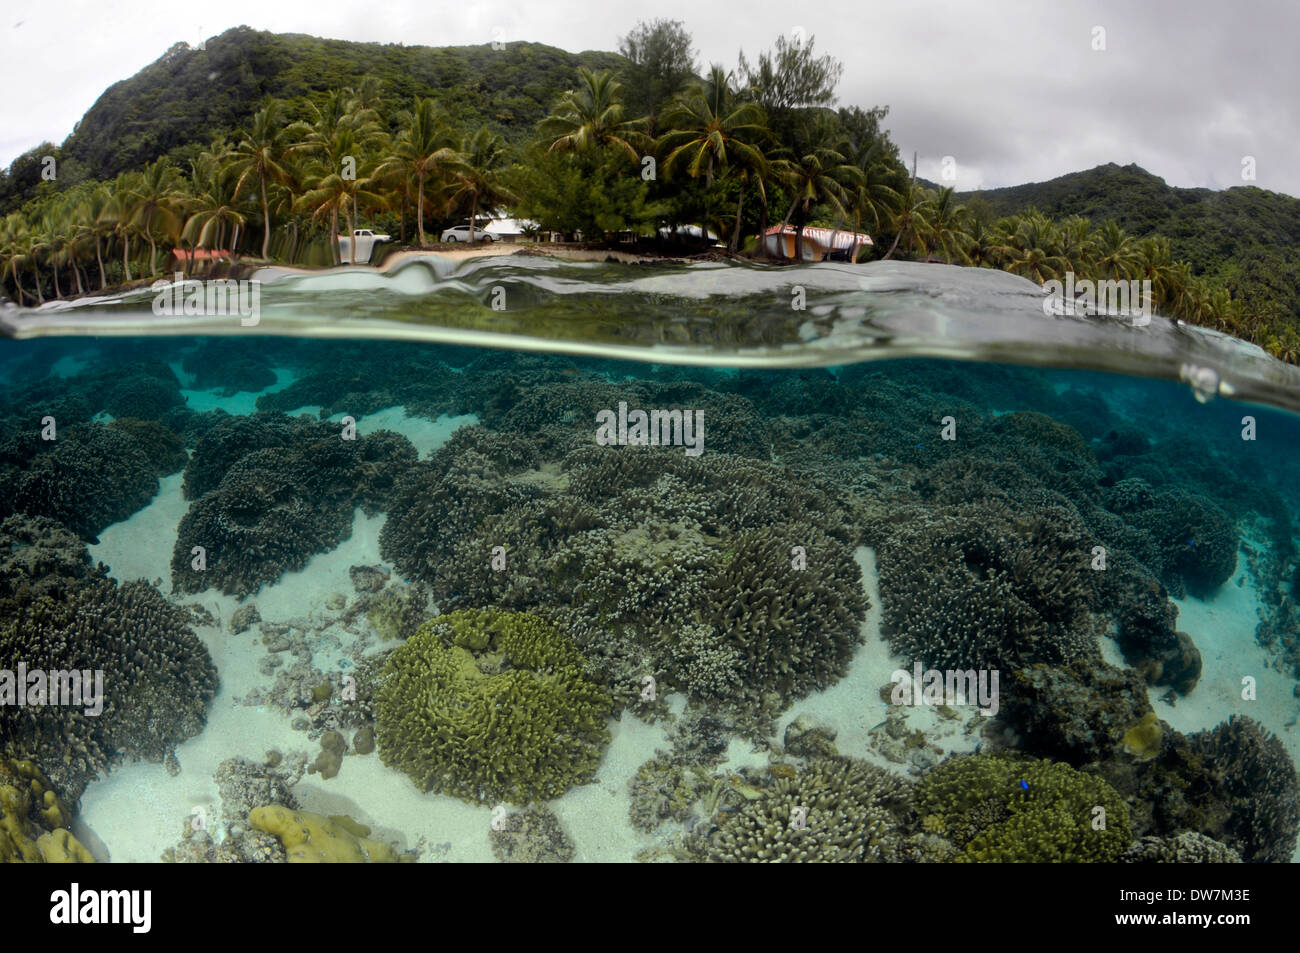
x,y
348,378
488,705
1189,847
531,836
835,810
151,662
229,366
164,448
664,789
39,557
1077,713
95,475
984,587
146,391
793,627
33,819
1244,785
275,507
244,618
313,839
1196,540
995,808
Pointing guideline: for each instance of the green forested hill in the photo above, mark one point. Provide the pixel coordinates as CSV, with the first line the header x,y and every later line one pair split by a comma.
x,y
190,96
1247,237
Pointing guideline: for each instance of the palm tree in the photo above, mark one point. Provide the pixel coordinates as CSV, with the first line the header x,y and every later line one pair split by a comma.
x,y
424,149
1077,245
14,239
33,246
981,244
1155,264
1030,247
948,225
53,239
872,196
334,194
911,221
479,177
259,156
712,130
158,195
214,204
1115,252
91,212
119,215
592,118
818,174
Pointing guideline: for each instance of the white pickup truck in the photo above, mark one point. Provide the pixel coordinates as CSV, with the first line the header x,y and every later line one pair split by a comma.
x,y
365,241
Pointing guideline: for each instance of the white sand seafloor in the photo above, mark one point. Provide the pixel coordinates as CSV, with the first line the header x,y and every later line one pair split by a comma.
x,y
138,810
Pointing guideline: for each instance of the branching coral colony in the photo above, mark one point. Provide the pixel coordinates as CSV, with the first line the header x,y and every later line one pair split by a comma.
x,y
545,582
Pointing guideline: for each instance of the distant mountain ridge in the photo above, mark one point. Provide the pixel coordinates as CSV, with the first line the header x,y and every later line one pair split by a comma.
x,y
189,96
1246,236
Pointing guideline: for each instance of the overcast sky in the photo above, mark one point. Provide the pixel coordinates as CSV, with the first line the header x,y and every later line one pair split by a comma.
x,y
1012,90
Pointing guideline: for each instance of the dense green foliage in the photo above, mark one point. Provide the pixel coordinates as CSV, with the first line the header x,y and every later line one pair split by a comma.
x,y
1245,239
190,97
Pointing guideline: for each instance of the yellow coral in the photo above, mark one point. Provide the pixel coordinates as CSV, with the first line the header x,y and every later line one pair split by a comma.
x,y
32,818
60,847
1142,740
314,839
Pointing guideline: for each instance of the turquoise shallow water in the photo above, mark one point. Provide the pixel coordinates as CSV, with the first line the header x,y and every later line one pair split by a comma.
x,y
842,603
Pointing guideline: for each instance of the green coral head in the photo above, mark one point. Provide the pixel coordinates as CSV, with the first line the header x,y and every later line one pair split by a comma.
x,y
999,808
489,705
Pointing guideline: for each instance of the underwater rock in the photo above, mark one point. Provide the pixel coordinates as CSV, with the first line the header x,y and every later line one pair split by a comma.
x,y
244,785
243,618
805,737
367,578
